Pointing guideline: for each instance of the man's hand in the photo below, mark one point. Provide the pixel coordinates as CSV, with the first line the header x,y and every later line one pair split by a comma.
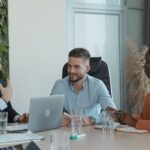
x,y
86,121
112,113
6,91
23,118
110,109
126,118
65,120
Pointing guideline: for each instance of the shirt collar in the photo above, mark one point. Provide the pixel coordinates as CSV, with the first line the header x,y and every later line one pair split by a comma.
x,y
84,83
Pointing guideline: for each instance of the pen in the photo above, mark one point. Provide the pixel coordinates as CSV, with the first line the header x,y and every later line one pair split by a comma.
x,y
74,136
67,115
81,135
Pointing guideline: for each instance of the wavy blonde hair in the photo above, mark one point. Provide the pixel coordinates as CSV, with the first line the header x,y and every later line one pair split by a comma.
x,y
138,84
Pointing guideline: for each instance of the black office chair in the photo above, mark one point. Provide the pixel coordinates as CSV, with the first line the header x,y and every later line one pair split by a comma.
x,y
99,69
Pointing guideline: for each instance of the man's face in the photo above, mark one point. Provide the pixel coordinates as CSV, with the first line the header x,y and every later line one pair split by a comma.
x,y
147,64
77,68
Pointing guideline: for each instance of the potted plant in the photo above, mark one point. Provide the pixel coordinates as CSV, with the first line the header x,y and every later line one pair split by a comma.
x,y
4,46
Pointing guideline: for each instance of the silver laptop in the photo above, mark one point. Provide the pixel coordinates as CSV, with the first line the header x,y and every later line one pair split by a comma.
x,y
45,112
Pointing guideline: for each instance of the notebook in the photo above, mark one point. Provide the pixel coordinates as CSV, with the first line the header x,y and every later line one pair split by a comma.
x,y
100,126
131,130
17,127
19,137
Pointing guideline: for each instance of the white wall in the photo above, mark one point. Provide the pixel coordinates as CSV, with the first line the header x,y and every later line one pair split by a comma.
x,y
38,47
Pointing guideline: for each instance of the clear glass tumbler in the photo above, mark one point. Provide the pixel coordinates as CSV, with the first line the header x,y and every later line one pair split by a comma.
x,y
76,122
3,122
59,141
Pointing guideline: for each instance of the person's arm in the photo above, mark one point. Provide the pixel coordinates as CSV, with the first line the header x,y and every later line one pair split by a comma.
x,y
105,100
11,113
66,120
91,115
134,121
101,99
143,124
6,92
14,116
23,118
3,104
58,88
138,116
126,118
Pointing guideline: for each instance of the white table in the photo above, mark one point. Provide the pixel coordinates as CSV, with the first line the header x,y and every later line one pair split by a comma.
x,y
99,140
15,138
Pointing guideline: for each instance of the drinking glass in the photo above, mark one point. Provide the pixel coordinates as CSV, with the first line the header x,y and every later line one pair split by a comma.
x,y
76,122
3,122
59,141
107,121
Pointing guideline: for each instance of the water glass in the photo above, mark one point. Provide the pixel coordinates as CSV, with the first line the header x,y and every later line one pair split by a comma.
x,y
59,141
76,122
107,121
3,122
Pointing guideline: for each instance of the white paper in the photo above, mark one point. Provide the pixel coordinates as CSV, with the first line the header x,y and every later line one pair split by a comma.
x,y
17,127
18,137
131,129
100,126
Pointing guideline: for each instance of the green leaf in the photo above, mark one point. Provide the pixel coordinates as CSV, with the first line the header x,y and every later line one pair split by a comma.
x,y
4,48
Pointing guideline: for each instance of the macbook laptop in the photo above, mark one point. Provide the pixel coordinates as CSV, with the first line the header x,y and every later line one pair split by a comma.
x,y
45,112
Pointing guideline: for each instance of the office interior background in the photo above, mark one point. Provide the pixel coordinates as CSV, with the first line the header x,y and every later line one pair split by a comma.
x,y
42,32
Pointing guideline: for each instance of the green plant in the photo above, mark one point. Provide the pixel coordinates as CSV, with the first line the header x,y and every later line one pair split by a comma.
x,y
4,47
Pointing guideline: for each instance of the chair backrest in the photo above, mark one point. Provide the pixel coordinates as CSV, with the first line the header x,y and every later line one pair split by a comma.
x,y
99,69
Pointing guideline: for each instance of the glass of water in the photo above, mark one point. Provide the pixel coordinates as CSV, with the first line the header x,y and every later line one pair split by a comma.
x,y
76,122
107,121
104,119
3,122
59,140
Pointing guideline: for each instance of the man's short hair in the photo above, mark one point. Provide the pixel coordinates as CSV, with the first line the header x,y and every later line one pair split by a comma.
x,y
80,53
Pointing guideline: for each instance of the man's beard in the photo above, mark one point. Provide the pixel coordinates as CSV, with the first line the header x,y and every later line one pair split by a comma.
x,y
78,78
